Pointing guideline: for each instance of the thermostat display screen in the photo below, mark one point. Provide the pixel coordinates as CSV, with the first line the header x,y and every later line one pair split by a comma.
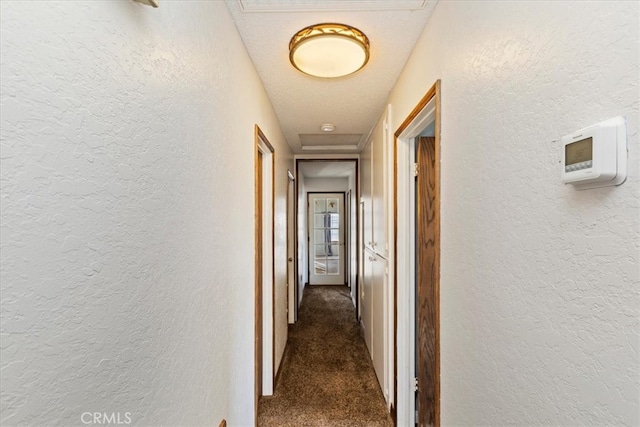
x,y
579,152
595,156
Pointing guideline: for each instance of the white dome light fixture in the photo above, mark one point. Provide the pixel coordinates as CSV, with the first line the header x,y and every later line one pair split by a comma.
x,y
329,50
328,127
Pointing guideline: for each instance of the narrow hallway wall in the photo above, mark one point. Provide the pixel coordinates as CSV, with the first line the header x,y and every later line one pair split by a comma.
x,y
303,272
540,320
127,213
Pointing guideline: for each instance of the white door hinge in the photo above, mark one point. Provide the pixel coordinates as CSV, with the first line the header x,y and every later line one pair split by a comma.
x,y
415,169
415,384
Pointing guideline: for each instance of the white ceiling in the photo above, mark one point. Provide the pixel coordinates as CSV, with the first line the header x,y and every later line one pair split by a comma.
x,y
352,103
329,169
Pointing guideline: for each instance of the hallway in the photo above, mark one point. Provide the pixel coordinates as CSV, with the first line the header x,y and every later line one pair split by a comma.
x,y
155,225
327,376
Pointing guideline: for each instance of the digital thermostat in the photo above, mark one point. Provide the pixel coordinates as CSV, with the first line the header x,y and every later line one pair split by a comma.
x,y
596,156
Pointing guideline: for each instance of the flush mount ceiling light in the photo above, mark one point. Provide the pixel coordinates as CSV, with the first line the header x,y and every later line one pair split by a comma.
x,y
328,127
329,50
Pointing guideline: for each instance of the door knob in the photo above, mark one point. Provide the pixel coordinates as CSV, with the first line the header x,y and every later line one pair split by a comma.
x,y
290,259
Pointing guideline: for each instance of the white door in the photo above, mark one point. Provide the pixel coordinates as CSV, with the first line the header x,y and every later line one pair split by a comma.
x,y
326,239
291,270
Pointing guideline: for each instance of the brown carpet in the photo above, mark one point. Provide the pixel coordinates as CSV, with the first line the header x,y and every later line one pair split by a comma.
x,y
327,377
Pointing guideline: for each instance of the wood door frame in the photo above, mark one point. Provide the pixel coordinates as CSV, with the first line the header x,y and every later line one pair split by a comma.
x,y
344,233
356,162
403,329
427,224
262,144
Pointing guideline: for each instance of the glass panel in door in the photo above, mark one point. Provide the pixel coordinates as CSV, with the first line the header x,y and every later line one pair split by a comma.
x,y
326,233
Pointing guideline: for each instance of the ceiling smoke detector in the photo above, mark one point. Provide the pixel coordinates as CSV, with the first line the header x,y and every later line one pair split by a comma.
x,y
328,127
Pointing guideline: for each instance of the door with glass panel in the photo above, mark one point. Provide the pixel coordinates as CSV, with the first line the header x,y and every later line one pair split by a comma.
x,y
326,239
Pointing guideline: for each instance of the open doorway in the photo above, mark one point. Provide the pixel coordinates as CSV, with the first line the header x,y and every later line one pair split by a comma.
x,y
326,176
417,269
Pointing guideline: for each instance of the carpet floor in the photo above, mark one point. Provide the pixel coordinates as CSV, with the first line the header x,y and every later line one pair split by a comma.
x,y
327,376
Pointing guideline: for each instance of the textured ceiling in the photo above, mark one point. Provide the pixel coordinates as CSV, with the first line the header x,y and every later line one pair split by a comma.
x,y
316,5
353,103
332,169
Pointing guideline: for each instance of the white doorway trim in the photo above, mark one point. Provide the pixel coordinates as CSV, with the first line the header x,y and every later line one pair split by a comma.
x,y
405,253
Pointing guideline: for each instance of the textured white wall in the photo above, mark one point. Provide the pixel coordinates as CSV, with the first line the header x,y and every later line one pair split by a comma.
x,y
127,213
353,236
284,162
539,287
303,273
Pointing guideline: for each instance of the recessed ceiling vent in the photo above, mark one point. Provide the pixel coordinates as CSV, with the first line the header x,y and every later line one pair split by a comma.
x,y
323,141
